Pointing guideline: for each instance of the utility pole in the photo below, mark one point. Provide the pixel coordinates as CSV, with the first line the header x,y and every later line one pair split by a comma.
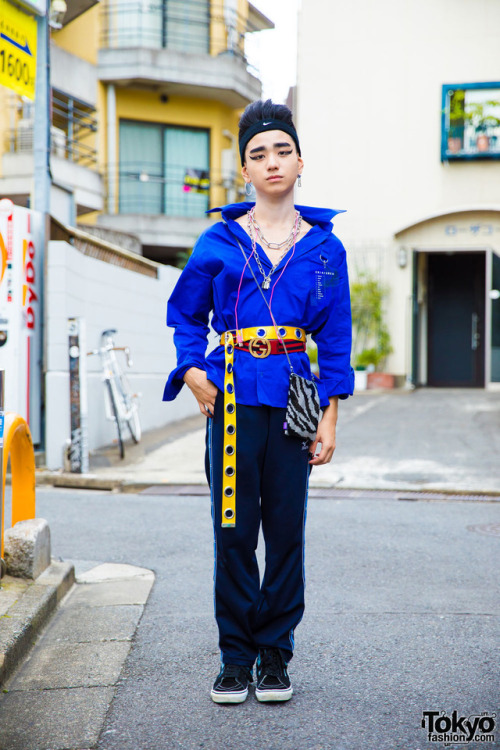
x,y
42,176
41,125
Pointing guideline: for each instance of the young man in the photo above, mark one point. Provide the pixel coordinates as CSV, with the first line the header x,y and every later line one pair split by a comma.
x,y
270,273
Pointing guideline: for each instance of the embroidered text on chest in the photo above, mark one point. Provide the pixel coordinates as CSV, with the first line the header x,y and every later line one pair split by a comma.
x,y
324,280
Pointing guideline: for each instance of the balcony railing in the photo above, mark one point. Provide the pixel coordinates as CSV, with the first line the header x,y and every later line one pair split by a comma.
x,y
72,124
189,26
79,122
175,190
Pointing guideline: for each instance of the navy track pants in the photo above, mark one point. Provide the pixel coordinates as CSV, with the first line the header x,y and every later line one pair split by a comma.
x,y
272,473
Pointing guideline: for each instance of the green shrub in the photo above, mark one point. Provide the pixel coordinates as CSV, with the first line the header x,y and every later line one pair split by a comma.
x,y
371,338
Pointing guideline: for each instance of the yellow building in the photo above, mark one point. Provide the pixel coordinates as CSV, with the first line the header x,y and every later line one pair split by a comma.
x,y
145,103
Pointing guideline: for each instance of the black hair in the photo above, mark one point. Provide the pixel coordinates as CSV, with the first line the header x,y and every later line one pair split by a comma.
x,y
259,111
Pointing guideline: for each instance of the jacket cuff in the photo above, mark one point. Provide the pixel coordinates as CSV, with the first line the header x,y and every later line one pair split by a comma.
x,y
341,388
175,380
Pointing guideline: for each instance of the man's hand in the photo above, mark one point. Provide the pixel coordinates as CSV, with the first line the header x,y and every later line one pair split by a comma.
x,y
325,434
202,388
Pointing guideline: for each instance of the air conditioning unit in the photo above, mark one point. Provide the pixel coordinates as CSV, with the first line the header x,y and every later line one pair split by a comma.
x,y
24,138
58,139
24,135
228,167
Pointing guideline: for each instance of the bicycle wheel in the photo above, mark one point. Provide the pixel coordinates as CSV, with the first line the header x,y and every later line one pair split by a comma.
x,y
114,409
133,422
127,405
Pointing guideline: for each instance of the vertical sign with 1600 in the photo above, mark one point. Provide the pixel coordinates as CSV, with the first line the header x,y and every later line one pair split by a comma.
x,y
17,50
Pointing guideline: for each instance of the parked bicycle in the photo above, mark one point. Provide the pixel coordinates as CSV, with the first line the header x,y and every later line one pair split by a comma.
x,y
122,405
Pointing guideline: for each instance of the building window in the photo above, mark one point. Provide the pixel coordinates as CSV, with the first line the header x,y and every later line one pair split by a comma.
x,y
163,169
194,27
181,25
186,27
471,121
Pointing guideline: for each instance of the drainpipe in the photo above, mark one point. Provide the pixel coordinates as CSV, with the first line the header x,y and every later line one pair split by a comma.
x,y
112,156
42,184
229,167
41,121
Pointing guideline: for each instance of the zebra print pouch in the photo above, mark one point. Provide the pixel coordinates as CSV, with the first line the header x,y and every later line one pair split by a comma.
x,y
303,409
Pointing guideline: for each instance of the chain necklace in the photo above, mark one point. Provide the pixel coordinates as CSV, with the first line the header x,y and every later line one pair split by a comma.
x,y
274,245
252,227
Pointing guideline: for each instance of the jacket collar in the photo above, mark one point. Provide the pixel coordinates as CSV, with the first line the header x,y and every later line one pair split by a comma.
x,y
321,216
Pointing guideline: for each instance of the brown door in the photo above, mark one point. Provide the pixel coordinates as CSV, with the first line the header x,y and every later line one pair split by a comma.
x,y
456,306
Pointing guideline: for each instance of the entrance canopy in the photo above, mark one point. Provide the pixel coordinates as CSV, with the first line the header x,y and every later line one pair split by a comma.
x,y
460,228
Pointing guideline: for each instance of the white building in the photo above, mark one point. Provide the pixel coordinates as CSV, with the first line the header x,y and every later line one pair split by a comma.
x,y
376,85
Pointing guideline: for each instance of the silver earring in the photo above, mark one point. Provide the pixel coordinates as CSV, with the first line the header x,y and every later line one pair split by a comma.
x,y
248,188
299,181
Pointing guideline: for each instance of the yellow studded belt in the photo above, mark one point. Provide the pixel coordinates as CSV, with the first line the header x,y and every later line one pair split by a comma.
x,y
257,342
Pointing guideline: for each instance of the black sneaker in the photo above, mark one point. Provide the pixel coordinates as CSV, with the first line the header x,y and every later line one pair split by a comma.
x,y
231,686
273,682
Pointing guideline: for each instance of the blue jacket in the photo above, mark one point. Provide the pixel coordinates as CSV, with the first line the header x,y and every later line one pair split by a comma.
x,y
313,294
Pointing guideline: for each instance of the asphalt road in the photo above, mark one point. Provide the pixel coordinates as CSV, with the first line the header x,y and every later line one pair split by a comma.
x,y
429,438
402,617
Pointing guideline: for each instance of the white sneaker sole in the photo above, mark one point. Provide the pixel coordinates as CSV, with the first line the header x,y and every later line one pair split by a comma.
x,y
273,695
239,697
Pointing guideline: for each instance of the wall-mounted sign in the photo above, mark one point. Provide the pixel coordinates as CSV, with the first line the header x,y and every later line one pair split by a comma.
x,y
17,50
474,229
39,7
21,268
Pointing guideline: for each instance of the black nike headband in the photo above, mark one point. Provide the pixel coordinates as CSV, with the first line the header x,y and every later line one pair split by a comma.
x,y
262,126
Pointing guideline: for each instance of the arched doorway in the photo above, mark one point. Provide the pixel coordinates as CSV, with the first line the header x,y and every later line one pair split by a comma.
x,y
455,298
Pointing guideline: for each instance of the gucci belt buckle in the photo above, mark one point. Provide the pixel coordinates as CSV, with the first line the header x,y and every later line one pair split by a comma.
x,y
259,348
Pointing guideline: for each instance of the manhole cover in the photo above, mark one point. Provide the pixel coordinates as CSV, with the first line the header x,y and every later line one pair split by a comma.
x,y
491,529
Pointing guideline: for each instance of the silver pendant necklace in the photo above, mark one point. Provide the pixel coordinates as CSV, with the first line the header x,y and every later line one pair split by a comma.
x,y
254,229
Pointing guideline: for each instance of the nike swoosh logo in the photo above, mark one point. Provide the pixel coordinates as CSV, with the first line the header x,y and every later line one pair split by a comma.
x,y
266,123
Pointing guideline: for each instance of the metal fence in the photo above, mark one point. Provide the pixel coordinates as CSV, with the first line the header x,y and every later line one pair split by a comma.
x,y
172,189
73,125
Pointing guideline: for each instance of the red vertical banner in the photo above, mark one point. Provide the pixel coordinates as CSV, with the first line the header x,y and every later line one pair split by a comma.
x,y
21,351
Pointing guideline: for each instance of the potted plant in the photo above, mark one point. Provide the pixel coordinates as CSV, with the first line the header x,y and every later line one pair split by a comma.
x,y
479,115
457,121
371,338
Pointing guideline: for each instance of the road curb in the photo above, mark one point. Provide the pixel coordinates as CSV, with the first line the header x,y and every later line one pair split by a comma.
x,y
127,486
76,481
61,695
90,482
28,614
